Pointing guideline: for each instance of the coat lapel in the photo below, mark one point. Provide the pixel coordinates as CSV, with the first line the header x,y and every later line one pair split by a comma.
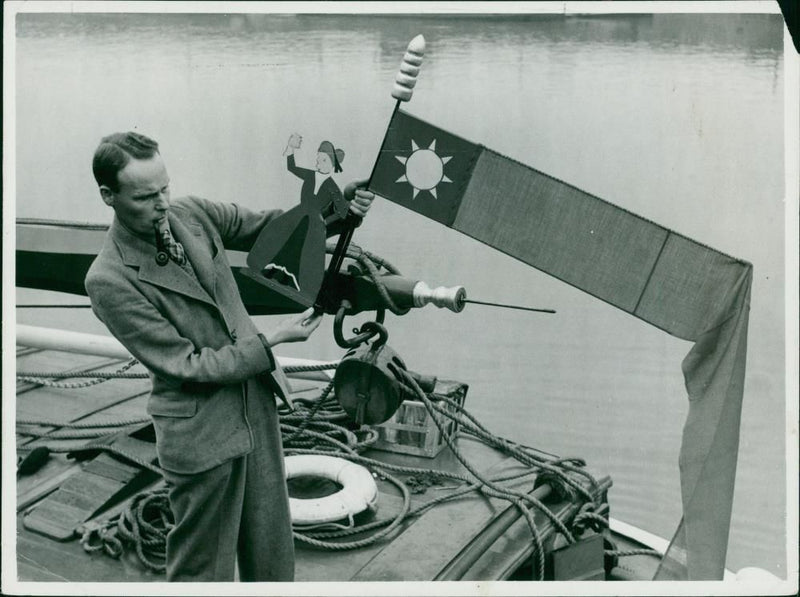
x,y
199,251
139,253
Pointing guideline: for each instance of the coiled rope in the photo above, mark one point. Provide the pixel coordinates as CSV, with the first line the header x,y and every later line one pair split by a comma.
x,y
143,525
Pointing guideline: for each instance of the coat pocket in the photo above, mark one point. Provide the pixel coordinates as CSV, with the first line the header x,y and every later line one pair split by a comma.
x,y
175,406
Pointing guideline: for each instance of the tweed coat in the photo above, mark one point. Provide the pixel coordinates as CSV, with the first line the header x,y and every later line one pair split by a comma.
x,y
193,335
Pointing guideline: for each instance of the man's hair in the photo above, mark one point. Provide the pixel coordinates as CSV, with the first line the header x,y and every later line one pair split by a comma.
x,y
114,153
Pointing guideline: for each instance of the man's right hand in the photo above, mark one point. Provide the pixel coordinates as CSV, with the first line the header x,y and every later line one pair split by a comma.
x,y
296,328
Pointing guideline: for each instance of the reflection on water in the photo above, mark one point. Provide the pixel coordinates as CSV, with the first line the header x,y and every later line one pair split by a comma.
x,y
675,117
748,34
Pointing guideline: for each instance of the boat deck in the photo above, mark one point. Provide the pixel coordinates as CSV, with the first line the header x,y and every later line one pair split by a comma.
x,y
471,538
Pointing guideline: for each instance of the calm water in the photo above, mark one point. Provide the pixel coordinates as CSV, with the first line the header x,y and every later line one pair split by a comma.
x,y
677,118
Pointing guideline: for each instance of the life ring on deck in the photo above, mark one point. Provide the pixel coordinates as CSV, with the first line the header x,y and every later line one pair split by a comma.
x,y
359,491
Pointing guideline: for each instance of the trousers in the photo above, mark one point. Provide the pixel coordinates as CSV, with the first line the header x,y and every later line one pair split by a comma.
x,y
237,511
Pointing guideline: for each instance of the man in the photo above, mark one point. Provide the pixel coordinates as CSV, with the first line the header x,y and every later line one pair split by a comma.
x,y
213,372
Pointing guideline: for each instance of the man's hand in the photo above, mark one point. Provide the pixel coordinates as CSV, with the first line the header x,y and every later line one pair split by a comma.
x,y
361,198
296,328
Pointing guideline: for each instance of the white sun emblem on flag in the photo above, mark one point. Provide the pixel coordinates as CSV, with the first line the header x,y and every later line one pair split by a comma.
x,y
424,169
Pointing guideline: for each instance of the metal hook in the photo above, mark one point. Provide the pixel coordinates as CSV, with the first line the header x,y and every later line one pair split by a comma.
x,y
367,331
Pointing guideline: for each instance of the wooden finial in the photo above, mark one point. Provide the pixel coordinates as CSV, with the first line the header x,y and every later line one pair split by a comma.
x,y
409,69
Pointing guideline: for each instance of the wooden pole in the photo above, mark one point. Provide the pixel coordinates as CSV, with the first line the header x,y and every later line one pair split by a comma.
x,y
403,89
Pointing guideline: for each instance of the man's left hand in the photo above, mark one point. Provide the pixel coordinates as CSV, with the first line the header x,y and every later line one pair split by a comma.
x,y
361,201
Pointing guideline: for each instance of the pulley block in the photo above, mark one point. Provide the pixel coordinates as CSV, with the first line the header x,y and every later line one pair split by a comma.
x,y
368,381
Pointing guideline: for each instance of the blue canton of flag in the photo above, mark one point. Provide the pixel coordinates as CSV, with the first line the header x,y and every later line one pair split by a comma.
x,y
423,168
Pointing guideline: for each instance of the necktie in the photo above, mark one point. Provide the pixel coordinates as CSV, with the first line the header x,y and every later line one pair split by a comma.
x,y
173,247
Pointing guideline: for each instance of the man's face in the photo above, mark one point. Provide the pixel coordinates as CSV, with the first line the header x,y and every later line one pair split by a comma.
x,y
143,195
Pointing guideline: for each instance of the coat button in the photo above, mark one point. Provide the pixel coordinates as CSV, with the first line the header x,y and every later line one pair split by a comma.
x,y
233,335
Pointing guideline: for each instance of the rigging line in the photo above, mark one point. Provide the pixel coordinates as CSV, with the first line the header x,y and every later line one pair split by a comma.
x,y
53,306
508,306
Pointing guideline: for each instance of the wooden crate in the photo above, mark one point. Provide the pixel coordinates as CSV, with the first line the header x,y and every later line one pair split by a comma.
x,y
412,431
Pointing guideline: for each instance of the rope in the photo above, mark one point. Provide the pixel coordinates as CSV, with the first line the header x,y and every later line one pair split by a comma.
x,y
312,540
490,488
592,517
144,524
148,533
455,494
305,368
63,434
84,425
99,377
43,378
307,420
551,466
621,553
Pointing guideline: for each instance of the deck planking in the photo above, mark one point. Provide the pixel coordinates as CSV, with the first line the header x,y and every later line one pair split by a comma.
x,y
114,399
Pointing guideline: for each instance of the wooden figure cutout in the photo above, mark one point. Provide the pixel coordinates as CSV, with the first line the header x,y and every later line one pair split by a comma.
x,y
289,254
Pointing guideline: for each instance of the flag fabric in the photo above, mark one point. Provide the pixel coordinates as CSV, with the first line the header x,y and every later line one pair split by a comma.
x,y
714,377
679,285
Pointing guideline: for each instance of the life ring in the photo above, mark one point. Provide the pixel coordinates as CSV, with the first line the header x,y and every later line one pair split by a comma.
x,y
359,491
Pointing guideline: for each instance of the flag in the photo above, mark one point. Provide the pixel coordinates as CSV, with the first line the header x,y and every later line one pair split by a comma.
x,y
674,283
